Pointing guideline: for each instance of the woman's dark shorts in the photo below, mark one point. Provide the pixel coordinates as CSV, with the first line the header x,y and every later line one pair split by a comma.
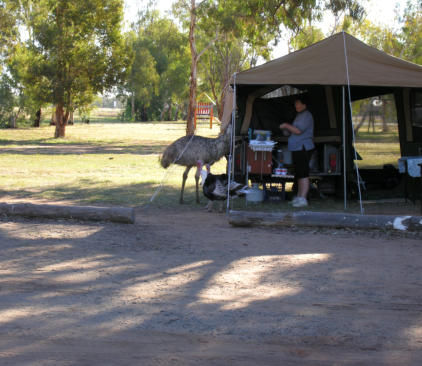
x,y
301,161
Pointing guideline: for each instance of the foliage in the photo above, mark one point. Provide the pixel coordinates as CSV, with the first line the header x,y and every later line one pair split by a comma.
x,y
378,36
411,35
252,22
7,101
76,51
8,25
159,71
306,37
405,43
218,65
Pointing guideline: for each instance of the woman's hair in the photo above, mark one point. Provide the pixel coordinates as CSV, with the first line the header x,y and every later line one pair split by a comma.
x,y
303,99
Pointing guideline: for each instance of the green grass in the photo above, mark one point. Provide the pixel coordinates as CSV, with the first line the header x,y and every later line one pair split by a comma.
x,y
118,164
379,148
107,164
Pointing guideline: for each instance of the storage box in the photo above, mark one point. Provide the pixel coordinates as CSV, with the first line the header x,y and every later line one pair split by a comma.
x,y
332,161
259,162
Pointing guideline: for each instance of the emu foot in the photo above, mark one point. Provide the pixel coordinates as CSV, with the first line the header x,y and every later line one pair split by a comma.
x,y
209,206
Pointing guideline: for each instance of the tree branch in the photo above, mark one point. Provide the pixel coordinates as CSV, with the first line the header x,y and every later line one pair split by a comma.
x,y
208,45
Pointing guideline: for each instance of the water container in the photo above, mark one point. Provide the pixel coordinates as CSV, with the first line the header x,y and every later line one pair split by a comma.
x,y
255,194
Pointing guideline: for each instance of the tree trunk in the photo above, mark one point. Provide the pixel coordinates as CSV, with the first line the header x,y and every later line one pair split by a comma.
x,y
61,121
15,117
91,213
169,109
163,111
53,119
144,114
132,110
70,121
362,121
37,119
190,123
221,104
383,115
176,113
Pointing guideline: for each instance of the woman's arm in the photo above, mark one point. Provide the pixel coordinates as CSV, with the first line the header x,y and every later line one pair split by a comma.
x,y
292,129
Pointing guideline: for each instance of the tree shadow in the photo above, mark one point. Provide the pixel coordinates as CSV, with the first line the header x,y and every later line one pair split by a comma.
x,y
41,147
117,290
89,192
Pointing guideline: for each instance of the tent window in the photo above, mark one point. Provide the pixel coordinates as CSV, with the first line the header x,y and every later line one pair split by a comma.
x,y
284,91
416,108
377,135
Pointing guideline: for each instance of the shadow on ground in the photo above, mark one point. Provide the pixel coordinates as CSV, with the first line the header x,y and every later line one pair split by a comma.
x,y
182,287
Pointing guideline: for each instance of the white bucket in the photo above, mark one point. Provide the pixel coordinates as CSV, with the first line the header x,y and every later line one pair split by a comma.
x,y
255,194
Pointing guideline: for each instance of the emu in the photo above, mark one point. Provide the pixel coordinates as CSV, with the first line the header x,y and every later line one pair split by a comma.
x,y
190,151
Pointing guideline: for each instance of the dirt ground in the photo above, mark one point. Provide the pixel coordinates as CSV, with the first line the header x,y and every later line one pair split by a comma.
x,y
183,287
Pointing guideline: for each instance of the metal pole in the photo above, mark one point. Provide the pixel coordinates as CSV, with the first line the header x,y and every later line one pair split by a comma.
x,y
344,150
355,157
230,167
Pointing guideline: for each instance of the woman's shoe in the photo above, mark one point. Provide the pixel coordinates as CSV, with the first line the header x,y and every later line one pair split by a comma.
x,y
300,202
295,198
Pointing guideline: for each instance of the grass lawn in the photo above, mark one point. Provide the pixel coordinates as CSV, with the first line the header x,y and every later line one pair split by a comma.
x,y
378,148
103,164
118,164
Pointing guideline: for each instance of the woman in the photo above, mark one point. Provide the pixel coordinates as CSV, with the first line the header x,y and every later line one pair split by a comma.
x,y
301,144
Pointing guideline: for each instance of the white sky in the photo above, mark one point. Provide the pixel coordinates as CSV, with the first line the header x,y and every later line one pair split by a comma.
x,y
379,12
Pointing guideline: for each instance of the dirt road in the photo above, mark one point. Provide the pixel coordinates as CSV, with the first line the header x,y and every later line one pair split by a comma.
x,y
182,287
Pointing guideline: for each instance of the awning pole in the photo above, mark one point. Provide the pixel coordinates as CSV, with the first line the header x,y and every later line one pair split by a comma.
x,y
230,167
344,151
353,127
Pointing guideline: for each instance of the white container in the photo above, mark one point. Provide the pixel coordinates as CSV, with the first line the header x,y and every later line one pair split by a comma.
x,y
255,194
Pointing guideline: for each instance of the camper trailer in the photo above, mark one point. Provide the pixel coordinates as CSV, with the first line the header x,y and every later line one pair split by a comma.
x,y
332,74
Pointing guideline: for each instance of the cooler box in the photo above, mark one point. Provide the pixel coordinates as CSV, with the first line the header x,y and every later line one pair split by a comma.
x,y
259,162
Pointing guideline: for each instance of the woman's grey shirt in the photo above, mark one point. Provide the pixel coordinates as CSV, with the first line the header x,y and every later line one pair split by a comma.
x,y
305,123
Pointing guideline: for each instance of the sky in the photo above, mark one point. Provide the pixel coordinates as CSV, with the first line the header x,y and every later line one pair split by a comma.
x,y
380,12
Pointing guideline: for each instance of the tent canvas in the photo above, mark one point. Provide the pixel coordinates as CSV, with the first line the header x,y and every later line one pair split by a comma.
x,y
324,63
333,72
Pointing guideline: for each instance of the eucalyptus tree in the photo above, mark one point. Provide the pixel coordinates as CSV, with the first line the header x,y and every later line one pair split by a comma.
x,y
411,32
306,37
9,32
76,51
142,79
403,40
159,70
216,67
252,21
8,25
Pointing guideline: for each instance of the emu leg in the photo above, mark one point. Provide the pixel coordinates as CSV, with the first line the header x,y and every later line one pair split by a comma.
x,y
185,176
209,206
197,174
199,165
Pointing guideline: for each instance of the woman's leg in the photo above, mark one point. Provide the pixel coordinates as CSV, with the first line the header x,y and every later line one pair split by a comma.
x,y
303,187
